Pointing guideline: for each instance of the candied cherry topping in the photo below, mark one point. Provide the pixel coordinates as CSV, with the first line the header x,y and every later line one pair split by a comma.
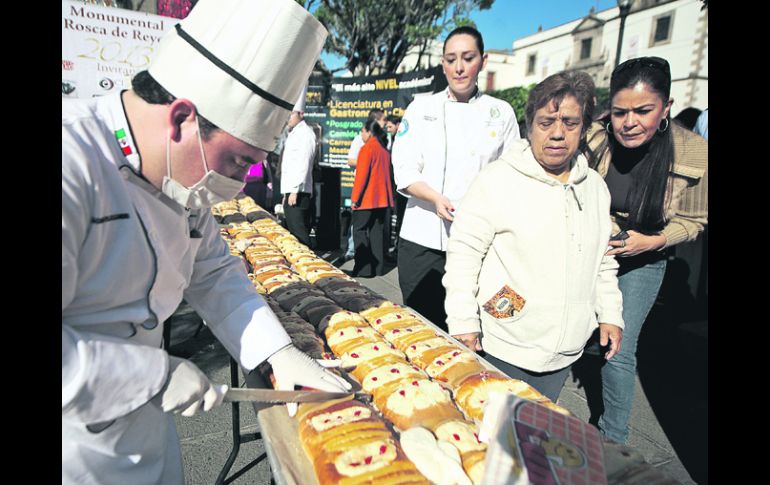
x,y
414,347
398,316
374,378
456,437
355,464
383,449
396,331
455,354
439,362
395,371
354,355
414,383
327,420
376,348
357,413
402,392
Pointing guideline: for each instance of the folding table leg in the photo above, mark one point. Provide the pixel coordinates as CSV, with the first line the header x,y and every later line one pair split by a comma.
x,y
238,438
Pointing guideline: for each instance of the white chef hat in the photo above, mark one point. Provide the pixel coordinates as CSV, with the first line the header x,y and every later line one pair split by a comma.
x,y
300,104
242,62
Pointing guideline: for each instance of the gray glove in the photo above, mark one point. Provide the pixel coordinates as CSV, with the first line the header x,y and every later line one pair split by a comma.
x,y
187,389
293,367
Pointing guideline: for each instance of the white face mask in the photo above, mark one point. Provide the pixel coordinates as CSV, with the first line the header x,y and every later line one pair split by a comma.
x,y
211,189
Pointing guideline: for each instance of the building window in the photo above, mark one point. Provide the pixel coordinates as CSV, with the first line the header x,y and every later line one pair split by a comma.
x,y
490,81
662,27
585,49
531,64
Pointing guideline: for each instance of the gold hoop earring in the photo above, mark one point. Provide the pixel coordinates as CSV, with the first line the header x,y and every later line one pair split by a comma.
x,y
607,127
666,128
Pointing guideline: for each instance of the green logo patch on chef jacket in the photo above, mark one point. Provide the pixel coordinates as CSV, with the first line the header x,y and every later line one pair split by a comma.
x,y
494,112
403,127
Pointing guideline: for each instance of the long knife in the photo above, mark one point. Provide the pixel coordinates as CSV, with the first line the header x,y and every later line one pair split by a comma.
x,y
273,396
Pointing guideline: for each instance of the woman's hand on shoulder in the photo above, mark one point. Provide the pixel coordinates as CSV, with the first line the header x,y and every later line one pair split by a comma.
x,y
636,243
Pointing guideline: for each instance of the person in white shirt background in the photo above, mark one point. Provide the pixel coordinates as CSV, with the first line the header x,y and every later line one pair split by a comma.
x,y
392,122
140,170
297,173
444,140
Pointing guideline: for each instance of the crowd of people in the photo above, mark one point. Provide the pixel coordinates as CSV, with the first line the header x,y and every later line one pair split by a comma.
x,y
520,245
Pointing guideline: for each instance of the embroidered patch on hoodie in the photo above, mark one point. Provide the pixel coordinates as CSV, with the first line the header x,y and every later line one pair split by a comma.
x,y
504,303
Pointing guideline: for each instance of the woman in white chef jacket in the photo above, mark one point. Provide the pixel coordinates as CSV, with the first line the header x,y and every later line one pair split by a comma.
x,y
443,142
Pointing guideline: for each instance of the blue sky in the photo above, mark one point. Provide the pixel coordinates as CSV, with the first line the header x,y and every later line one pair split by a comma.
x,y
508,20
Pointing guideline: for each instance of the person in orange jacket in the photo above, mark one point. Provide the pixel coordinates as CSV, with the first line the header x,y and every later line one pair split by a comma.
x,y
372,196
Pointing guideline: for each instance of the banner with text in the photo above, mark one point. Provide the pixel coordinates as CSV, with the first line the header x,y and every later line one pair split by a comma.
x,y
351,99
103,47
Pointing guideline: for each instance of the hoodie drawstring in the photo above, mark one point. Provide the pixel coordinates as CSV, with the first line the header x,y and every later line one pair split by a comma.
x,y
575,194
571,222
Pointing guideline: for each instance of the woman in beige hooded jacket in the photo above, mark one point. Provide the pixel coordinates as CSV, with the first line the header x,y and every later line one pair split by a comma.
x,y
527,277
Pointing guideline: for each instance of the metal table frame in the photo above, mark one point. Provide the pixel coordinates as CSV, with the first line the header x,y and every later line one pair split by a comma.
x,y
238,438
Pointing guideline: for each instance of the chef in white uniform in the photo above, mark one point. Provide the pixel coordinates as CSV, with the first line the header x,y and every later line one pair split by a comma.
x,y
444,140
140,169
297,172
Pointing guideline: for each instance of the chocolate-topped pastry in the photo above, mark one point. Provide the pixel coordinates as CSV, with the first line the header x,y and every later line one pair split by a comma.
x,y
318,313
289,295
311,300
236,217
365,303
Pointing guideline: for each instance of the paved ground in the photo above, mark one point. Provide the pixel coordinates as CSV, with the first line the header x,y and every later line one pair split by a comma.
x,y
669,426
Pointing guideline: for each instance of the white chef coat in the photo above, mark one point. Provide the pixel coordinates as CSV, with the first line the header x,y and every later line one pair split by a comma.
x,y
445,144
129,256
297,162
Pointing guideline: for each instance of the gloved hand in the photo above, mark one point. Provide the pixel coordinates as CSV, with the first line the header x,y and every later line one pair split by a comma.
x,y
187,389
292,367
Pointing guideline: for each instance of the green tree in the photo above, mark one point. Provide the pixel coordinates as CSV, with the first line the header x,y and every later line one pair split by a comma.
x,y
374,35
602,101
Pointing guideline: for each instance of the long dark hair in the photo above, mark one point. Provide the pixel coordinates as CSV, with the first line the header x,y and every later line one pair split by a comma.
x,y
376,130
651,190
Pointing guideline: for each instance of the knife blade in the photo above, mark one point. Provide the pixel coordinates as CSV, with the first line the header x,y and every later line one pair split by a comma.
x,y
276,397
